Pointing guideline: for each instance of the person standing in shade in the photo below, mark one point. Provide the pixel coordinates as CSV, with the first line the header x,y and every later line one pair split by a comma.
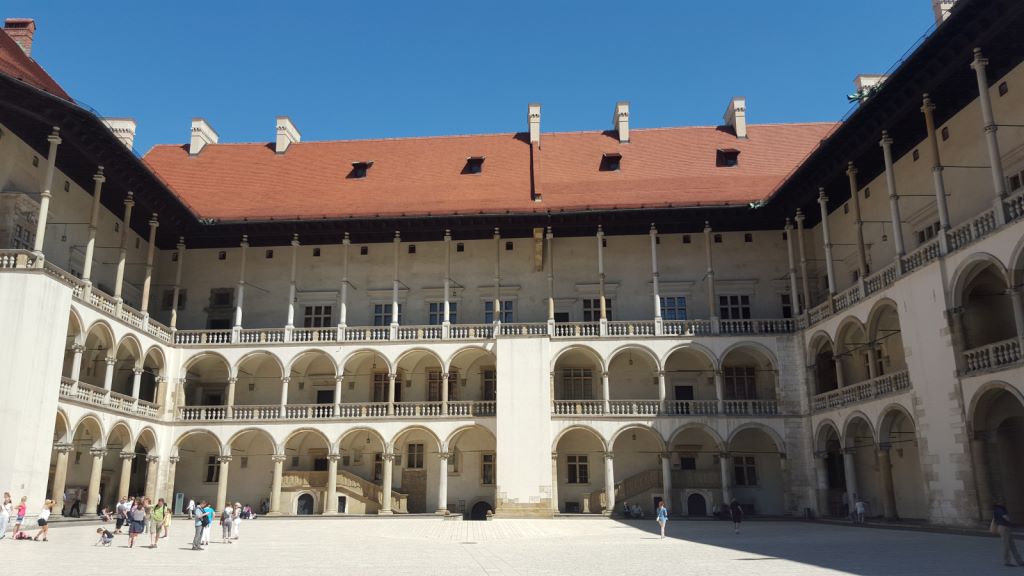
x,y
6,508
662,516
736,512
1001,521
201,523
858,509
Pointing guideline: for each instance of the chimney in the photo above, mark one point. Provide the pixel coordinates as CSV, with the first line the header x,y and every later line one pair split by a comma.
x,y
941,9
123,128
287,134
202,134
21,30
736,116
866,85
620,121
533,118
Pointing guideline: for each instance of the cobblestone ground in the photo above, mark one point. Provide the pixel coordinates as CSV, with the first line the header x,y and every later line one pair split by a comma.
x,y
424,546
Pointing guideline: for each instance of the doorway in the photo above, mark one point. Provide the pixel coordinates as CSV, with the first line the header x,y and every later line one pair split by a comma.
x,y
479,511
696,505
305,505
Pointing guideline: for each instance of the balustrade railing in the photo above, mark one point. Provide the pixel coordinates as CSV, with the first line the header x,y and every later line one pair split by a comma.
x,y
972,230
407,409
343,411
98,396
524,329
634,407
992,356
471,331
1015,206
687,328
187,337
648,408
419,333
261,335
578,407
884,385
923,255
781,326
363,410
691,407
309,411
472,408
631,328
577,329
751,407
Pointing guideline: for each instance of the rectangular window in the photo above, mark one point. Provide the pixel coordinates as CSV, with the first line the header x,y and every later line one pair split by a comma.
x,y
787,305
592,309
745,470
414,457
579,471
435,316
490,383
168,299
673,308
506,311
382,314
487,469
378,467
687,462
734,307
577,384
434,384
317,316
740,382
1015,182
380,386
212,470
222,297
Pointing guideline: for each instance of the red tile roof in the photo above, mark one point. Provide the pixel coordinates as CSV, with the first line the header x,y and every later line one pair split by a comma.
x,y
15,63
423,176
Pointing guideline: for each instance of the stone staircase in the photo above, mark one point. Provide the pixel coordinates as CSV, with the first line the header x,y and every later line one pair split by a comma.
x,y
628,489
349,485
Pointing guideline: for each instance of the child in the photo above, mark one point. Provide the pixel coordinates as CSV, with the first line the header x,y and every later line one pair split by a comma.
x,y
20,514
106,537
44,521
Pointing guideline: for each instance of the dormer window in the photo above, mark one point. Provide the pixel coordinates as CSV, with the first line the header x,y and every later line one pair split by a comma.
x,y
611,162
474,165
727,158
359,169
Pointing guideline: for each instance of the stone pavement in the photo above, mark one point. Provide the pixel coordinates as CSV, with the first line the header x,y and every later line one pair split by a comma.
x,y
423,546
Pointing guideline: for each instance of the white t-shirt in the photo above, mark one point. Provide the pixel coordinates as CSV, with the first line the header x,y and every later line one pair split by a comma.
x,y
44,514
5,510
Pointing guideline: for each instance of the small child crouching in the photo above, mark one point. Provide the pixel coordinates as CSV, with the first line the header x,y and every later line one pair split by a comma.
x,y
106,537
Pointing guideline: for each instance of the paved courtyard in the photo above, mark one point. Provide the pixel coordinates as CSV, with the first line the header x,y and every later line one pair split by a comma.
x,y
425,546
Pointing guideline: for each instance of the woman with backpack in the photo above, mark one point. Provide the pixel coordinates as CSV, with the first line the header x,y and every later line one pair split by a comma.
x,y
226,520
202,521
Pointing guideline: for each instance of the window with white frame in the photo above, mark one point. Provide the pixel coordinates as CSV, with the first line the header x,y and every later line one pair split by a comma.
x,y
577,384
507,307
414,457
212,469
382,314
434,382
592,309
489,378
673,308
740,382
734,306
487,468
578,469
380,386
317,316
745,470
435,313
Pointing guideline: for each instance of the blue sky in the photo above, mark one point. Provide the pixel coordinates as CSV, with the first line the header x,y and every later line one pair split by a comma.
x,y
349,70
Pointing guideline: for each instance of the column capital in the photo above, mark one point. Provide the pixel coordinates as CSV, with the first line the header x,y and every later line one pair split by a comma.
x,y
151,458
127,456
137,371
333,457
278,458
286,379
884,446
54,137
245,241
224,459
233,380
665,455
820,454
180,245
886,140
609,455
295,240
926,104
654,229
979,60
63,448
554,455
707,227
339,379
822,197
154,220
445,375
98,452
851,170
345,240
789,226
724,455
110,360
98,176
850,451
799,217
174,459
388,456
443,455
129,199
78,348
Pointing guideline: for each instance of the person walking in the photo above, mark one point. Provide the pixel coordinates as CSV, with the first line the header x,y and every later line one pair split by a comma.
x,y
44,521
662,516
121,512
858,508
156,521
226,520
736,512
191,508
136,522
236,520
6,509
19,518
168,515
201,523
1001,521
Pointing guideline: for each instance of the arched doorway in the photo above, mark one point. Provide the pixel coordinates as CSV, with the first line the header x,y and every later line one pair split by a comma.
x,y
637,470
471,469
831,472
251,470
206,383
696,451
579,458
362,464
898,450
824,369
304,505
197,473
696,506
997,447
417,468
305,467
480,510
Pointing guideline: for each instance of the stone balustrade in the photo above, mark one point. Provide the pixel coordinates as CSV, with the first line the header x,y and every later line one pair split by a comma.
x,y
691,407
994,356
672,408
97,396
885,385
750,407
343,411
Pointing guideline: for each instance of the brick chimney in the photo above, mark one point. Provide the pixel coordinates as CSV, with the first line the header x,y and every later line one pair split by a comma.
x,y
621,121
21,30
202,134
287,134
123,128
736,116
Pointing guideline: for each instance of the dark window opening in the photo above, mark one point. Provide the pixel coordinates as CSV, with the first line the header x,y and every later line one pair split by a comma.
x,y
359,169
508,246
604,242
222,255
785,236
727,157
460,247
748,237
867,193
718,238
474,165
1003,89
657,240
686,238
269,254
945,133
35,161
916,155
611,162
316,252
846,208
67,186
364,250
412,248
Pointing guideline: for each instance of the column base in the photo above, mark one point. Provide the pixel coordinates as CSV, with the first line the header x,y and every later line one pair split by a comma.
x,y
274,514
385,513
441,512
330,513
606,512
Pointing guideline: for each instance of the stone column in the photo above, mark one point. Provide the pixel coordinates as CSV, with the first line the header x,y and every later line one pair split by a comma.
x,y
172,469
551,283
122,254
554,483
723,462
93,498
720,391
1018,309
928,108
90,245
894,198
794,294
108,374
177,282
343,305
222,481
442,484
338,381
666,479
710,275
821,474
275,486
605,393
385,490
126,474
497,278
152,476
851,475
60,477
823,205
147,281
391,393
885,473
241,286
979,461
600,281
444,392
291,286
804,283
994,157
447,311
136,382
609,483
331,506
662,398
394,288
232,382
284,394
654,280
44,200
862,258
76,362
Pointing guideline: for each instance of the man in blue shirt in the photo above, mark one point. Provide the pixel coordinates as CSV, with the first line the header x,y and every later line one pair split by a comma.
x,y
210,515
1001,517
202,524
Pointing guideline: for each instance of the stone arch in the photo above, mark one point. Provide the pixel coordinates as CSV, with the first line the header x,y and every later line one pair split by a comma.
x,y
997,427
99,345
975,406
756,454
358,429
156,360
62,423
885,335
76,332
308,357
123,427
983,303
644,350
821,434
581,427
418,350
148,438
716,438
257,431
852,350
134,348
768,431
104,331
415,428
194,433
583,349
746,345
472,349
970,268
822,350
91,425
454,435
850,441
1016,264
633,373
888,414
749,373
374,353
316,433
695,348
215,374
265,354
662,447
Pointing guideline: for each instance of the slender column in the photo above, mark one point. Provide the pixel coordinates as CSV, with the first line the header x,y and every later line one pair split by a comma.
x,y
979,461
177,282
126,474
821,476
723,461
823,205
654,279
605,393
894,198
851,475
338,381
497,277
232,382
90,244
445,324
551,281
712,300
275,485
122,254
385,490
152,471
93,499
840,379
872,361
136,382
147,282
794,294
600,283
720,391
609,483
862,259
76,362
222,481
661,391
241,282
343,305
394,288
284,393
108,374
994,157
885,471
44,200
928,108
442,484
1018,308
172,469
60,477
444,392
666,479
804,282
391,392
291,286
331,506
554,483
